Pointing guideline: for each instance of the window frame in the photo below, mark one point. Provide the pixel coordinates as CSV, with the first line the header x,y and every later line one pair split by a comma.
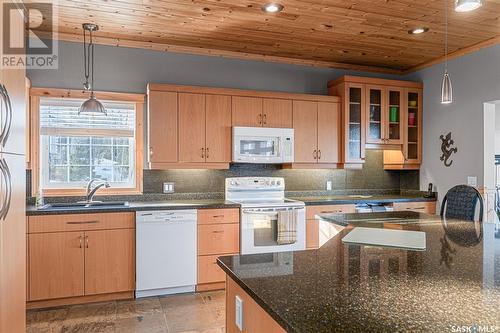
x,y
34,139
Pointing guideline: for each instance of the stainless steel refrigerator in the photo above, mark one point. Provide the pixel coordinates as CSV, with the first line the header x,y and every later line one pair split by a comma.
x,y
12,200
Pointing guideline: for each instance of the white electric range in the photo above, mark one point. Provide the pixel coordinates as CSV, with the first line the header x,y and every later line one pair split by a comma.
x,y
261,200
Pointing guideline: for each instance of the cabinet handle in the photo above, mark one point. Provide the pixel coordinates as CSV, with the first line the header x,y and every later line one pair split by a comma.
x,y
202,152
81,241
315,154
207,153
265,119
218,231
260,119
331,211
87,242
150,151
409,208
82,222
319,156
217,216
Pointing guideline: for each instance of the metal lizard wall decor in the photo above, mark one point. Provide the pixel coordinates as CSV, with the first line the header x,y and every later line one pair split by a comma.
x,y
446,143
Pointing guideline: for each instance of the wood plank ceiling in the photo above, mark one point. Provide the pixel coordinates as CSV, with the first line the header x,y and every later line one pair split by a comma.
x,y
360,34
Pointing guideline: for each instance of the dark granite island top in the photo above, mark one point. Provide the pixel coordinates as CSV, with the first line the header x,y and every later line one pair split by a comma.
x,y
451,286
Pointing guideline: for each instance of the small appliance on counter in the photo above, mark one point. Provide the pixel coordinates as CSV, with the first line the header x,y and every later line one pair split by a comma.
x,y
269,222
262,145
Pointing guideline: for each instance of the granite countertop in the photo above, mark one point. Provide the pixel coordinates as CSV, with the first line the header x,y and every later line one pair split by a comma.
x,y
220,203
453,283
135,206
353,199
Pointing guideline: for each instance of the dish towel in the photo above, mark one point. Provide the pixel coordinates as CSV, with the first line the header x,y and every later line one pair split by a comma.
x,y
287,227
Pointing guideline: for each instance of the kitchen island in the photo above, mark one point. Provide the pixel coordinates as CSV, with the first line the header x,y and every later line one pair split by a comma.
x,y
450,286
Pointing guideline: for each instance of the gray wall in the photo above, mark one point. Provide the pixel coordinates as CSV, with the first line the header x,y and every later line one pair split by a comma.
x,y
130,70
476,80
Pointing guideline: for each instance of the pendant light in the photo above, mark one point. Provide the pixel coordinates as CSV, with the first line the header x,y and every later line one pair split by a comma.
x,y
467,5
92,105
446,88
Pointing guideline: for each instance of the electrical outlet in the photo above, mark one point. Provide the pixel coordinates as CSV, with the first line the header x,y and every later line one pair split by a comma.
x,y
168,187
238,318
472,181
329,185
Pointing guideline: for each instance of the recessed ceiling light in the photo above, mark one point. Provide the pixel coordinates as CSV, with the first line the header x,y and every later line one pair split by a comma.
x,y
272,7
419,30
467,5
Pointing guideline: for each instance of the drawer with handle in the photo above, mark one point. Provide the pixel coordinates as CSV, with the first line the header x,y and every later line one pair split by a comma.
x,y
216,216
428,207
79,222
218,239
312,211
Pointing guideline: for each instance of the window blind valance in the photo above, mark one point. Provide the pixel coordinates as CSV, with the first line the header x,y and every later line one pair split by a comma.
x,y
60,117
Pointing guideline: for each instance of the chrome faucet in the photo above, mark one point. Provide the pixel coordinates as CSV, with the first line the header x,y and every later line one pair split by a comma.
x,y
91,191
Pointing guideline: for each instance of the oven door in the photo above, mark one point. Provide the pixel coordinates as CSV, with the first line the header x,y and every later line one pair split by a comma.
x,y
257,149
259,230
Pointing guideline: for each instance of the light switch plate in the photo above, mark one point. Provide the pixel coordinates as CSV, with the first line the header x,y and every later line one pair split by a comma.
x,y
238,318
329,185
168,187
472,181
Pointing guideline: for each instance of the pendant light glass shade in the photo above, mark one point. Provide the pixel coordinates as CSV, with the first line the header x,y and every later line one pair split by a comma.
x,y
467,5
446,89
92,106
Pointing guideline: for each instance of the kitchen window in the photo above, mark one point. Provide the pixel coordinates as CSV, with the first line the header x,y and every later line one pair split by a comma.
x,y
72,148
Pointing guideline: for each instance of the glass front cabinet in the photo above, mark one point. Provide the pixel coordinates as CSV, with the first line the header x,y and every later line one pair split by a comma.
x,y
384,111
412,148
380,114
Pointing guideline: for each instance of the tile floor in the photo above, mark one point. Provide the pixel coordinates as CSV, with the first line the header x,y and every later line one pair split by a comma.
x,y
194,313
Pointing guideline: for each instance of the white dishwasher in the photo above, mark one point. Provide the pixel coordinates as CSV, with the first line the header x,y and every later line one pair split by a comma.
x,y
165,252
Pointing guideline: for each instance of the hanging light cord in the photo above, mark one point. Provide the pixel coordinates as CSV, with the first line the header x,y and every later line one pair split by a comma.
x,y
88,61
91,48
446,36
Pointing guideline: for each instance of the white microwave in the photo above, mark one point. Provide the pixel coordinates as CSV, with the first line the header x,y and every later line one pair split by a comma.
x,y
262,145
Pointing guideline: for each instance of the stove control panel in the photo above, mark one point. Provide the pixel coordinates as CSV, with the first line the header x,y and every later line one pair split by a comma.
x,y
254,183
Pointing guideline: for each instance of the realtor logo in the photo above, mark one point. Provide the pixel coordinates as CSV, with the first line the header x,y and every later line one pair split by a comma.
x,y
29,38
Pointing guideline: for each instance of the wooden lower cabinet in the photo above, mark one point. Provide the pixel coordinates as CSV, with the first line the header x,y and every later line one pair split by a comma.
x,y
255,319
56,265
80,264
109,261
312,224
218,235
428,207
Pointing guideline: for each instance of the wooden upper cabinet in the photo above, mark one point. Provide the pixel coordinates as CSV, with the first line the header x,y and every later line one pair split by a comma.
x,y
218,128
191,127
162,110
375,99
394,115
412,146
56,265
247,111
109,261
328,132
277,113
305,125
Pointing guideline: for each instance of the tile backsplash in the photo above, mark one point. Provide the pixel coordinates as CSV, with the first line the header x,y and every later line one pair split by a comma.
x,y
372,176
